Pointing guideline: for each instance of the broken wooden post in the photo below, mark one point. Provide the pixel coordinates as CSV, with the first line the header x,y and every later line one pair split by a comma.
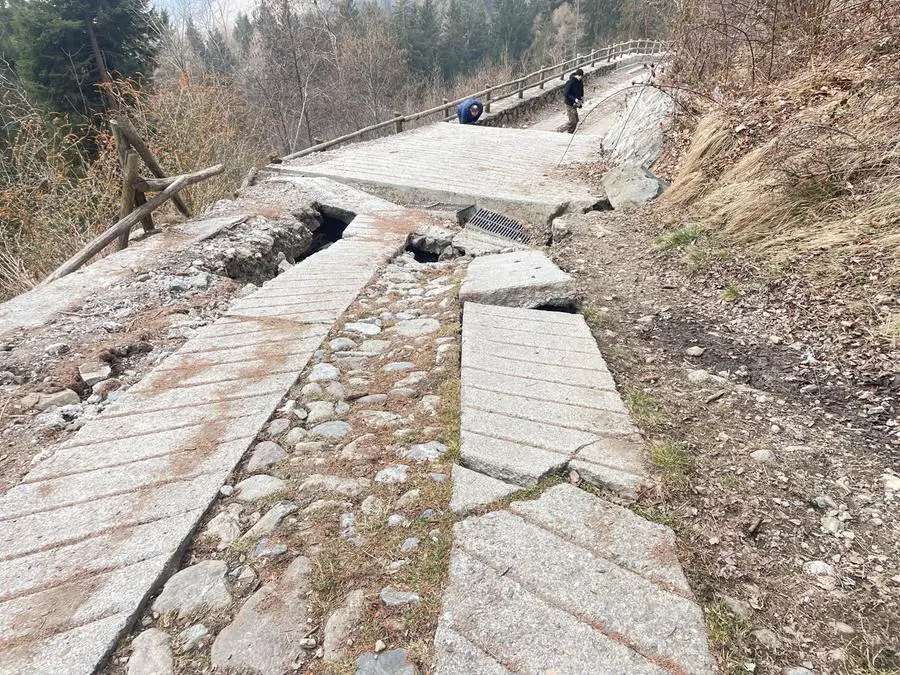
x,y
125,224
134,138
127,205
147,221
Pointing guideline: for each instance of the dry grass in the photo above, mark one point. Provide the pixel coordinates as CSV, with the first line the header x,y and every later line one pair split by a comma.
x,y
675,460
807,165
728,635
683,236
646,410
191,123
58,187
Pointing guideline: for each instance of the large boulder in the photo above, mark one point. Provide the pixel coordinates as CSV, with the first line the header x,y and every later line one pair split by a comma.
x,y
629,186
636,135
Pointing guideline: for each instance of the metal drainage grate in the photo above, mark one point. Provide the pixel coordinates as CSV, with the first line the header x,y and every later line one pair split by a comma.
x,y
499,225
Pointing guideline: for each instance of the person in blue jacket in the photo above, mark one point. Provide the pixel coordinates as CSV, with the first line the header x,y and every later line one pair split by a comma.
x,y
573,94
469,111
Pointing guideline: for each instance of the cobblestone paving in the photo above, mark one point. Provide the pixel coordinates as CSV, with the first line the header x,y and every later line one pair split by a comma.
x,y
333,535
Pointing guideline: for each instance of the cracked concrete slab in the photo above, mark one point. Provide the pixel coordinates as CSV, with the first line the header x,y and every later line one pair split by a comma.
x,y
518,279
473,490
568,583
95,527
512,176
524,414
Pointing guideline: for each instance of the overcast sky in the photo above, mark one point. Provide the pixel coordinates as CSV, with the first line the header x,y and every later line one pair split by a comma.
x,y
217,13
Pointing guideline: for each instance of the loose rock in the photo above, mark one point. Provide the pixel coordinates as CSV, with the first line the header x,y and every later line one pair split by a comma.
x,y
265,549
266,632
278,426
340,624
426,452
265,454
362,328
93,372
191,637
270,521
392,474
258,487
763,456
342,344
416,327
333,430
57,400
225,526
318,484
195,590
393,662
323,372
767,638
152,654
319,411
393,597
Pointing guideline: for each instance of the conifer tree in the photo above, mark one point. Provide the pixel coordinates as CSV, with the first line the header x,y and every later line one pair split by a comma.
x,y
66,49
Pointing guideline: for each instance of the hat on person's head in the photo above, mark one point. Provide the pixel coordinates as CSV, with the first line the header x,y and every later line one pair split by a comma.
x,y
579,72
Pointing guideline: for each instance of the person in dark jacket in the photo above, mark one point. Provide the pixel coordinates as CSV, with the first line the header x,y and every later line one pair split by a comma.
x,y
469,111
574,93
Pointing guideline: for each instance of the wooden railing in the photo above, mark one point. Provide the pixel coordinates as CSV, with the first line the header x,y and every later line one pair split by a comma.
x,y
498,92
135,207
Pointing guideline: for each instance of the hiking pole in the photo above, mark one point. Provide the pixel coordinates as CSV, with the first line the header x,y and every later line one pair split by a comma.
x,y
599,103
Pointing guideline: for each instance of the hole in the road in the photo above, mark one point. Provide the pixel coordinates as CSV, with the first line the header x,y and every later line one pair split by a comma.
x,y
334,222
421,255
565,306
275,243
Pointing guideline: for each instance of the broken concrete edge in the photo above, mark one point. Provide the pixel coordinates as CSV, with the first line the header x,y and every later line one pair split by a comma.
x,y
534,213
525,279
38,305
475,493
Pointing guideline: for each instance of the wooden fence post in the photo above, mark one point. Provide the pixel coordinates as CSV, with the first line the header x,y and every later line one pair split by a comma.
x,y
446,110
541,78
398,123
487,101
136,142
127,205
521,87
